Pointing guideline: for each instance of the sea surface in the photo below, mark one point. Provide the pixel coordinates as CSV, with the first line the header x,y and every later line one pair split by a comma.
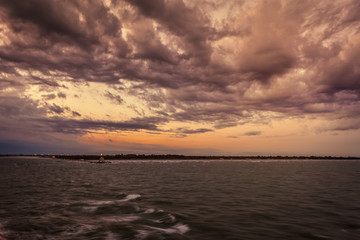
x,y
44,198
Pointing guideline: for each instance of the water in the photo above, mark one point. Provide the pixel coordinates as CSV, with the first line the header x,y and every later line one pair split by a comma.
x,y
199,200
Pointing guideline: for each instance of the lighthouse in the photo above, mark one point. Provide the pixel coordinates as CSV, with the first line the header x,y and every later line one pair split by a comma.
x,y
101,159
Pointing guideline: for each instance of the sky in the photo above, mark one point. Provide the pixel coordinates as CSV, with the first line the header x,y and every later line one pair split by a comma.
x,y
209,77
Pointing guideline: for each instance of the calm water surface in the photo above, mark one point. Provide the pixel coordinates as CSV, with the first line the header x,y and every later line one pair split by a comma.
x,y
200,200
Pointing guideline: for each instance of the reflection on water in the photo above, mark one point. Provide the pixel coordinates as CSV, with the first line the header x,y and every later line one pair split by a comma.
x,y
56,199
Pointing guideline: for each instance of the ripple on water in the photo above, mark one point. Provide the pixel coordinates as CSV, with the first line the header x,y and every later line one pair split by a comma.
x,y
97,219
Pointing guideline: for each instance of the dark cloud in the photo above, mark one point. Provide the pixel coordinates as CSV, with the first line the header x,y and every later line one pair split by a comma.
x,y
11,107
219,115
26,117
268,49
54,108
115,98
232,137
346,127
47,28
49,96
51,18
193,131
18,117
71,126
248,62
264,63
5,83
76,114
61,19
182,21
189,26
252,133
155,51
61,95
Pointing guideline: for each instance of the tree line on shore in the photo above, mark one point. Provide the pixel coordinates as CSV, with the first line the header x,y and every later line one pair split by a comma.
x,y
181,157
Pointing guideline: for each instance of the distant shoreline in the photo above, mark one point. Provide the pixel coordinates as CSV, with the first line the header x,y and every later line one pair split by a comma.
x,y
180,157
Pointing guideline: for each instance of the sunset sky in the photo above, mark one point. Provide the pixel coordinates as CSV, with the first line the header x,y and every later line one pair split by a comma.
x,y
209,77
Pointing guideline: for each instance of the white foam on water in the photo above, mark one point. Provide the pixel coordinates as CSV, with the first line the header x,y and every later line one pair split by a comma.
x,y
111,236
90,209
79,229
169,218
142,234
130,197
124,218
100,202
108,202
149,210
177,228
147,230
321,236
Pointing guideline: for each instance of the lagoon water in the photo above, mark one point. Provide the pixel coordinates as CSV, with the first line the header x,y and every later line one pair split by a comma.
x,y
200,200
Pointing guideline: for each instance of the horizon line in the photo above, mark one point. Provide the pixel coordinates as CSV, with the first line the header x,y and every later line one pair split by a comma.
x,y
182,156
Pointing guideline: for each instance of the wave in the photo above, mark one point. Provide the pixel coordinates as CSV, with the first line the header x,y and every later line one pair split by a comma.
x,y
130,197
169,218
127,198
153,231
118,219
106,219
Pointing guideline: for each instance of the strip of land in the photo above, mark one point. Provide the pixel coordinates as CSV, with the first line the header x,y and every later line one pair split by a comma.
x,y
184,157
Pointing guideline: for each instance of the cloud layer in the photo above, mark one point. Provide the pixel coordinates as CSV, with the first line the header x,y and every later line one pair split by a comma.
x,y
213,64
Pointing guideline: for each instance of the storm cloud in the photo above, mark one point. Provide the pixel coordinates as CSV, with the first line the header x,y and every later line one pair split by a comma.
x,y
216,63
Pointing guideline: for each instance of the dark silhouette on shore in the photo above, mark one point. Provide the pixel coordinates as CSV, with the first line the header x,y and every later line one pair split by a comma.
x,y
183,157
